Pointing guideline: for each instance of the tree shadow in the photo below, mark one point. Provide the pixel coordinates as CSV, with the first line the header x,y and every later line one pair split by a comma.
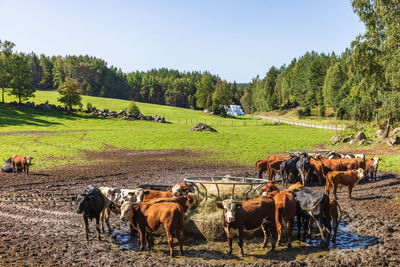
x,y
16,115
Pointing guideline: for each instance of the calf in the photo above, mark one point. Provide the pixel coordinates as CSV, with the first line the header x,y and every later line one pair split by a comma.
x,y
318,168
91,203
23,162
332,165
249,215
119,196
372,167
353,164
289,170
345,178
148,218
303,166
7,167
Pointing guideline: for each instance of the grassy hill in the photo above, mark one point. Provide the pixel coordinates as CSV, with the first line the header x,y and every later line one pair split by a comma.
x,y
55,138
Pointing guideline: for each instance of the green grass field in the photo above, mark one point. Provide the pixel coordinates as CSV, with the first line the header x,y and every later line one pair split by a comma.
x,y
239,140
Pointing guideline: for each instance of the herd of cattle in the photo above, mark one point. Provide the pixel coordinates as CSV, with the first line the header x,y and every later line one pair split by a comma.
x,y
148,207
17,163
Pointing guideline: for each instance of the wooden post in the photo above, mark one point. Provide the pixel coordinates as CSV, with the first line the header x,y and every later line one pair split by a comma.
x,y
387,127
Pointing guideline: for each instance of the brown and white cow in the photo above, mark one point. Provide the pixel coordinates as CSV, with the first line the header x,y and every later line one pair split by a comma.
x,y
177,190
21,162
372,167
345,178
249,215
187,202
149,217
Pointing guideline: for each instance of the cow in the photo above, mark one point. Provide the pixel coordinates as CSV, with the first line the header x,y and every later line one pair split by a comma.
x,y
288,170
285,210
91,203
303,166
274,167
23,162
148,218
352,156
315,205
372,167
332,165
318,169
187,202
333,155
7,167
177,191
261,167
249,215
336,215
345,178
353,164
119,196
186,188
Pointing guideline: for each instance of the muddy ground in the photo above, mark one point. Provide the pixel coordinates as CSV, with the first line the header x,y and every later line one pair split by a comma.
x,y
39,225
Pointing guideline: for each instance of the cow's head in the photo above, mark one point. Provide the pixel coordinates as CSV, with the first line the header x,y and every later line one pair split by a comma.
x,y
7,161
137,195
230,207
114,207
269,187
28,160
191,200
84,201
128,210
376,161
360,174
296,186
179,190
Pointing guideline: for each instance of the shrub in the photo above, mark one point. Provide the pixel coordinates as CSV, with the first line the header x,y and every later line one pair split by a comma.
x,y
322,111
306,112
89,106
133,108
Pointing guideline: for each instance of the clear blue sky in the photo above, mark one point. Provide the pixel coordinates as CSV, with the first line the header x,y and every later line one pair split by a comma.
x,y
235,39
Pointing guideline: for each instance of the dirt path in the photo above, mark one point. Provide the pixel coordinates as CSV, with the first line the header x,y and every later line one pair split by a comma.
x,y
321,126
39,226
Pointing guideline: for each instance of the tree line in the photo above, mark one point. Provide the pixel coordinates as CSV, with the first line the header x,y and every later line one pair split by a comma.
x,y
360,83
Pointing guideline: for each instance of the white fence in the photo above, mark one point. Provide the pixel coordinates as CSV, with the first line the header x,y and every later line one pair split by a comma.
x,y
319,126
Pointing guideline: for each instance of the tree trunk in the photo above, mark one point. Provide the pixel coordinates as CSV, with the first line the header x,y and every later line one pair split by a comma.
x,y
387,127
2,95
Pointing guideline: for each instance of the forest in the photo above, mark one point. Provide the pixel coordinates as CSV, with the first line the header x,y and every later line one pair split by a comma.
x,y
362,83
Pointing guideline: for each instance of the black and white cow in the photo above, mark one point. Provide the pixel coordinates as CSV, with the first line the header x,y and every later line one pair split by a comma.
x,y
288,170
303,166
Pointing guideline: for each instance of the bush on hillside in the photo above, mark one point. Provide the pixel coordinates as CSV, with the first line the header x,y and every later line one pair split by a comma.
x,y
133,108
322,111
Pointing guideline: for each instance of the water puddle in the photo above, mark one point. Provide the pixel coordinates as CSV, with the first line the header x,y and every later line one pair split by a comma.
x,y
346,239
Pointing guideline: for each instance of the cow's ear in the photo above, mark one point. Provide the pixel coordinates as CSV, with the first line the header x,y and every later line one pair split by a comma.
x,y
219,205
146,192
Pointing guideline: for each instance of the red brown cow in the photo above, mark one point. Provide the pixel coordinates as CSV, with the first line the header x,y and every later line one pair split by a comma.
x,y
317,168
353,164
21,162
332,165
187,202
177,191
261,167
149,217
345,178
249,215
285,209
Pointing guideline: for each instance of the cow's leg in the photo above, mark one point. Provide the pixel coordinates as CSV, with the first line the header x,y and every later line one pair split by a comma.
x,y
278,219
107,217
180,240
170,241
132,228
98,227
289,229
85,219
240,243
102,214
310,222
307,219
266,234
228,237
327,187
298,215
142,236
350,189
27,170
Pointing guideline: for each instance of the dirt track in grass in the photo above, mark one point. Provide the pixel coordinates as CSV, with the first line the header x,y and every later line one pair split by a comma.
x,y
39,225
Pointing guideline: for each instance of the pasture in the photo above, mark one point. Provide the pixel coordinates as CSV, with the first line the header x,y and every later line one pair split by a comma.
x,y
56,138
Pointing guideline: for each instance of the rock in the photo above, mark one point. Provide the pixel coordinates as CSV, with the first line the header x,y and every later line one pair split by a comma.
x,y
380,133
346,139
361,142
351,141
148,118
203,127
159,119
395,130
360,136
393,140
336,139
